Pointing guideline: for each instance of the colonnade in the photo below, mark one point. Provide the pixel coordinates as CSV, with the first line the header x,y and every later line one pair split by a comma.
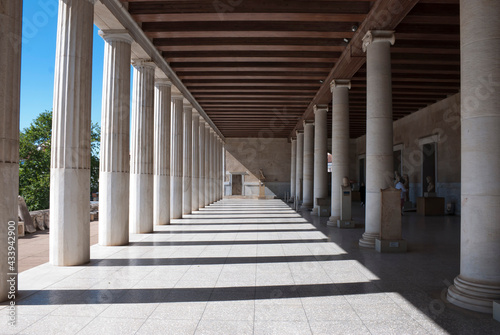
x,y
478,283
154,162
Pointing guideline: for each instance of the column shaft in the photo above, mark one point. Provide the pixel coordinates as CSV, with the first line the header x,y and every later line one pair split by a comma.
x,y
142,148
114,174
188,160
70,161
320,155
308,170
207,165
478,284
293,168
379,142
10,82
340,142
201,144
196,165
176,166
299,168
161,191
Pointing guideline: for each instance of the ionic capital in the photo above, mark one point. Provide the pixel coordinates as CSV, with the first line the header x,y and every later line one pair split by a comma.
x,y
340,83
177,96
373,36
308,123
162,82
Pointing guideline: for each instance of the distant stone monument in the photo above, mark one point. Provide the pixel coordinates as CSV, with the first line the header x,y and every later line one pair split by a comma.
x,y
25,216
390,228
345,220
431,189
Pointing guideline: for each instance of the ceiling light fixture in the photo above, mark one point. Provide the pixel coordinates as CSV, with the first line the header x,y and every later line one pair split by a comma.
x,y
346,40
354,27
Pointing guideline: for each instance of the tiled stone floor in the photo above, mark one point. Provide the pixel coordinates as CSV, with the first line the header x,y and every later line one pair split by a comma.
x,y
253,267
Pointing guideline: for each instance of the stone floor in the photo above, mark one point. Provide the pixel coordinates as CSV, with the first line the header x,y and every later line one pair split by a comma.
x,y
253,267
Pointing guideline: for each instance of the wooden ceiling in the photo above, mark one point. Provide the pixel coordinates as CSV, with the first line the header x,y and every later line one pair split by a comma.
x,y
257,67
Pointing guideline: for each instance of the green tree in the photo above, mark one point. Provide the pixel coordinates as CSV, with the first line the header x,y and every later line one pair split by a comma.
x,y
34,169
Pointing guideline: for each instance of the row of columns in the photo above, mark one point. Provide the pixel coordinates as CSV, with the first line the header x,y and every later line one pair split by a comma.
x,y
479,281
167,166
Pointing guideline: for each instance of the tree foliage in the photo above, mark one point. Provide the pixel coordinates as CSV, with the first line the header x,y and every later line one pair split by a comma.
x,y
34,169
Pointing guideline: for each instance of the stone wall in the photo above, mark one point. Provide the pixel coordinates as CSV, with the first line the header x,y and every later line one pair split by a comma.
x,y
248,155
439,122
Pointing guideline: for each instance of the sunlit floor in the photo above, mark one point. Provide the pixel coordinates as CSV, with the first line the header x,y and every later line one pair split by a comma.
x,y
253,267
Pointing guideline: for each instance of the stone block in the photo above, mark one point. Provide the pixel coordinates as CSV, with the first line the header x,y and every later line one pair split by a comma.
x,y
25,216
20,228
496,310
390,227
345,224
324,211
386,246
430,206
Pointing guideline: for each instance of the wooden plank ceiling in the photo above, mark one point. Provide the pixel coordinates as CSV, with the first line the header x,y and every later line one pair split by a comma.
x,y
258,66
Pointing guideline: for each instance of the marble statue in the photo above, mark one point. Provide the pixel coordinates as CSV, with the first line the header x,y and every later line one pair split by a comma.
x,y
430,184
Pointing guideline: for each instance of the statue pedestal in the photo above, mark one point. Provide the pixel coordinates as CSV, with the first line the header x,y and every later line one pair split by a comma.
x,y
262,191
390,229
430,206
345,220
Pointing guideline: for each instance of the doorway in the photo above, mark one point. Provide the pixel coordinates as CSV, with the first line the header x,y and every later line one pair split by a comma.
x,y
237,184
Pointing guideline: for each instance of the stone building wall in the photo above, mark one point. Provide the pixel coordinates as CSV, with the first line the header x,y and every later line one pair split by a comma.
x,y
248,155
440,123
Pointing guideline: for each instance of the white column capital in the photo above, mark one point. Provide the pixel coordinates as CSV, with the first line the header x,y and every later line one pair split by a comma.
x,y
177,96
116,35
137,63
373,36
301,131
162,82
320,108
195,113
340,83
293,139
187,106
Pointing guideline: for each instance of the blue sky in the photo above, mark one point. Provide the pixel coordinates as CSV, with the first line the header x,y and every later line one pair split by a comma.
x,y
38,59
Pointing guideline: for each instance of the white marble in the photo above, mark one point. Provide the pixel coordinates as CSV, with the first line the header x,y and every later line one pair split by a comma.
x,y
308,169
299,167
293,167
195,198
320,155
187,173
161,184
201,162
176,160
207,165
141,148
70,161
379,143
340,142
479,281
114,174
10,80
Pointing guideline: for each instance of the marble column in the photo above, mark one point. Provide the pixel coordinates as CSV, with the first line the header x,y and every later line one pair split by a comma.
x,y
114,174
195,198
219,170
478,284
293,168
340,143
201,144
308,170
320,155
161,190
212,166
207,165
299,169
142,148
176,160
70,161
379,142
187,181
10,83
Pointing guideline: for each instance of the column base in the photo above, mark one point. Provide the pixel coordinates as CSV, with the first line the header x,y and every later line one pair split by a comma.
x,y
332,221
368,240
473,296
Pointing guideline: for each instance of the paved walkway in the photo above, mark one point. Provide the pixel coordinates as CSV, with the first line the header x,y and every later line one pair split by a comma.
x,y
253,267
